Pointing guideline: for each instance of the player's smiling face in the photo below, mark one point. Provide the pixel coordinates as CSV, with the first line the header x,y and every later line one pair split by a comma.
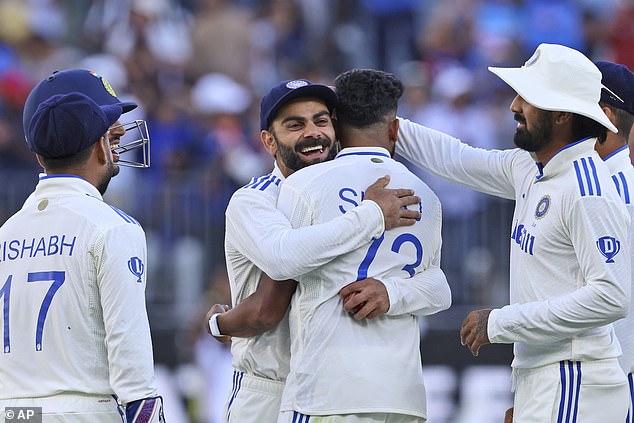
x,y
114,134
301,134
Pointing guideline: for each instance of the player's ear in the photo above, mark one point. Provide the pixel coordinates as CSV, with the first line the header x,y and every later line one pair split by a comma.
x,y
392,130
609,113
99,149
561,118
40,162
268,141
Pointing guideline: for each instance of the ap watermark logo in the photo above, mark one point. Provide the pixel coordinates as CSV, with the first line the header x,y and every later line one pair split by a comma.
x,y
23,414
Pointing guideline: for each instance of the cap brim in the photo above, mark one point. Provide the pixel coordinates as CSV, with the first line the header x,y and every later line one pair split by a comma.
x,y
533,91
127,106
113,113
321,92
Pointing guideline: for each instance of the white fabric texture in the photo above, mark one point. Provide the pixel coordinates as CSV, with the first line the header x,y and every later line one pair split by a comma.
x,y
76,304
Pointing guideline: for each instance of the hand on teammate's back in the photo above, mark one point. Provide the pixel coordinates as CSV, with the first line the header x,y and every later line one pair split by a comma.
x,y
393,203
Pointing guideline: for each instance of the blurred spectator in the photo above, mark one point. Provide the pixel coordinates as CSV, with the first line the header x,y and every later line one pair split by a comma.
x,y
221,38
552,21
622,33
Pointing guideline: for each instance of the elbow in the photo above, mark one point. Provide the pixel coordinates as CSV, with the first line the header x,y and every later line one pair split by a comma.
x,y
618,308
446,299
265,319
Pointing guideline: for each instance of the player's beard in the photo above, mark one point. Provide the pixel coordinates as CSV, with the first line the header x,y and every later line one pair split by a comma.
x,y
535,139
111,170
291,157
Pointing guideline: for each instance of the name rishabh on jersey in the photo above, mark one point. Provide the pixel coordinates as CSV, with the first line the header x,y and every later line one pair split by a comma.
x,y
72,285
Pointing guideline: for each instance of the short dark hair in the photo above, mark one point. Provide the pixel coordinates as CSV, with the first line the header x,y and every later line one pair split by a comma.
x,y
61,163
622,120
584,127
366,96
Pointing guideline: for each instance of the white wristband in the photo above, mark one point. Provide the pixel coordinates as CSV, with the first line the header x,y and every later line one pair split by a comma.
x,y
213,325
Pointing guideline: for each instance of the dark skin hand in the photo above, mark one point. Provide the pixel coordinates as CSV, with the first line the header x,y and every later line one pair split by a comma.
x,y
473,333
365,299
256,314
217,308
393,203
508,416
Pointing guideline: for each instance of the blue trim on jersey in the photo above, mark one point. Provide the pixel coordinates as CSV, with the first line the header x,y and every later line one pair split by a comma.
x,y
587,178
615,152
263,182
124,215
595,175
364,153
621,186
629,408
300,418
60,175
237,383
571,145
570,388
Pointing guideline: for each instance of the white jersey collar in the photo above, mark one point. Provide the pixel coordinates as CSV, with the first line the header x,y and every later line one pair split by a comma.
x,y
562,159
618,160
363,151
68,184
277,172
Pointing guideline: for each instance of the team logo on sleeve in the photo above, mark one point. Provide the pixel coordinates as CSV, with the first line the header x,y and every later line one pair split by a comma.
x,y
609,247
135,265
542,207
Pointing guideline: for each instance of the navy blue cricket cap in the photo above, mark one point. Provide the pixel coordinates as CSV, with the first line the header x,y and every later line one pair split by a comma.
x,y
89,83
286,91
620,80
65,124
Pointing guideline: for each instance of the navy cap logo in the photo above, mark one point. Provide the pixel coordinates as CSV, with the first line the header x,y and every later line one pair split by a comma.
x,y
296,84
105,83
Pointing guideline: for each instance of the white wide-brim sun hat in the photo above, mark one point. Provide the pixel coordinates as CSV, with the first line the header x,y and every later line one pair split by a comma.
x,y
559,78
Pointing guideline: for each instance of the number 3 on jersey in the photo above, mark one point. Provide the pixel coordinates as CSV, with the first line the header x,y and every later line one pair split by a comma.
x,y
57,278
362,273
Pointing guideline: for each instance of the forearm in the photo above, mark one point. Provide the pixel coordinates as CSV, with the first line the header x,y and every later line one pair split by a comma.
x,y
259,312
556,319
487,171
273,245
425,293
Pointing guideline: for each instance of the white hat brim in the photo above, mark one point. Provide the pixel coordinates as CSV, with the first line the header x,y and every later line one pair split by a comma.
x,y
534,92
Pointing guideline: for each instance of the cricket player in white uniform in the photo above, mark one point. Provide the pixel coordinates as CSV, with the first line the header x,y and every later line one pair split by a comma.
x,y
295,117
570,255
76,338
618,104
343,369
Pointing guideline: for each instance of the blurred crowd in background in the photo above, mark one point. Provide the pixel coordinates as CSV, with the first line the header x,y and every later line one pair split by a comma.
x,y
198,69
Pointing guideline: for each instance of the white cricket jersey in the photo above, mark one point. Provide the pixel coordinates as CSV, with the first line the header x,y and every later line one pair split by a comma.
x,y
72,285
260,238
570,271
622,173
340,365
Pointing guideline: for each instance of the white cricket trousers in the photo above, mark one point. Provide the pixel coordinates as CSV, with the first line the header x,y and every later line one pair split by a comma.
x,y
76,408
253,399
571,391
295,417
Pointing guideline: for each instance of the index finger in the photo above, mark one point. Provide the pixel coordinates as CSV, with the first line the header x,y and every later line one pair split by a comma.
x,y
349,289
403,192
